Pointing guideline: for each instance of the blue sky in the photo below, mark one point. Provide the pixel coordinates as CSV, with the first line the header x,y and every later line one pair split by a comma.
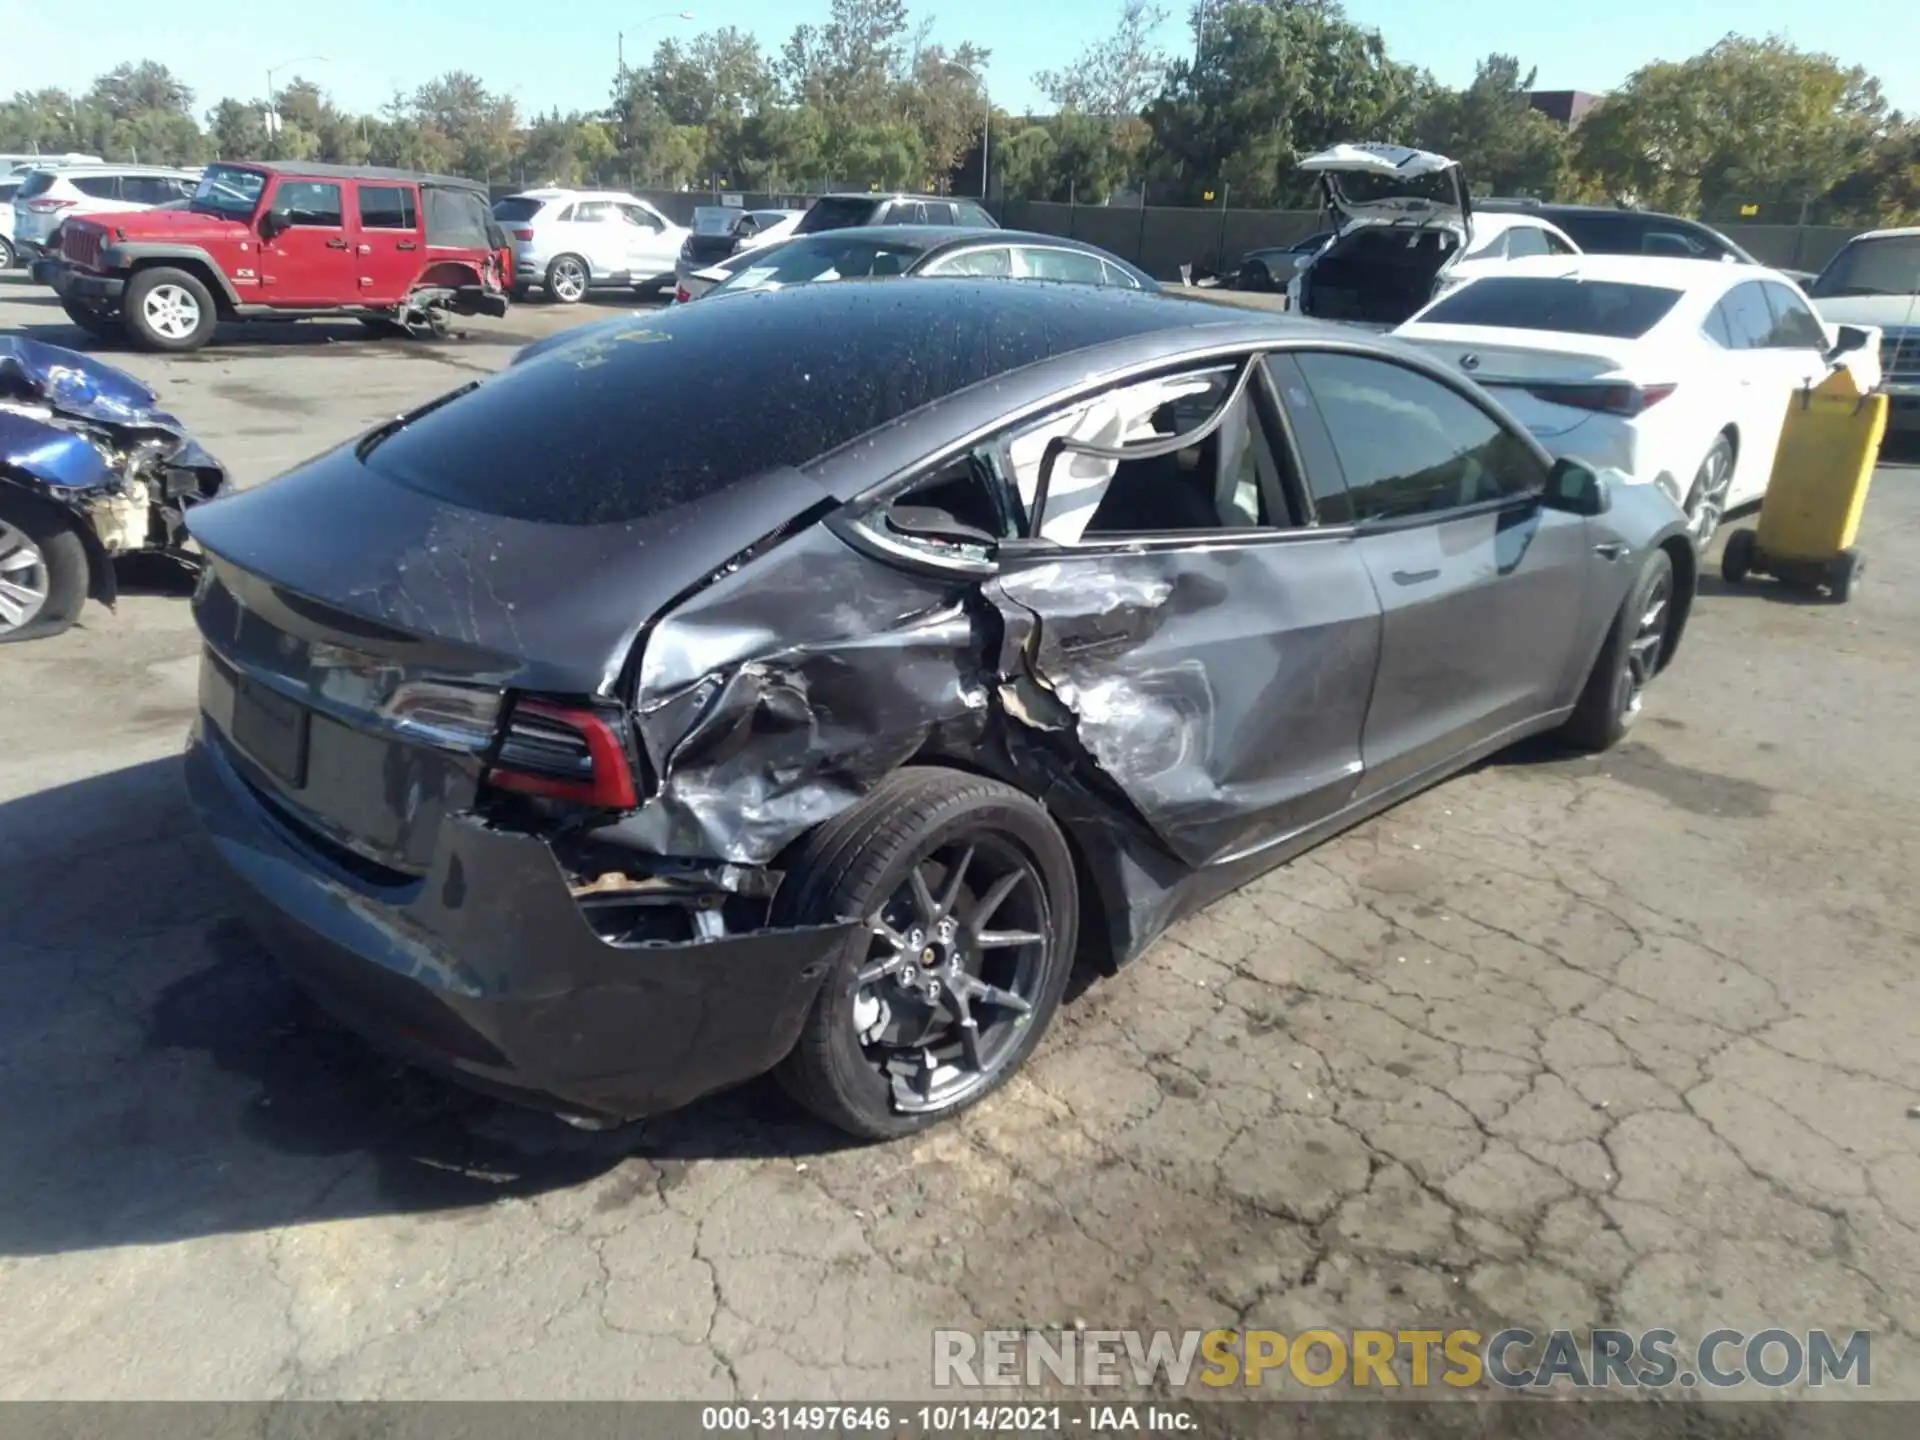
x,y
563,53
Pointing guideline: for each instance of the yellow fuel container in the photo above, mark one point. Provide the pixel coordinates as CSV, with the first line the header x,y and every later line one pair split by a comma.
x,y
1810,518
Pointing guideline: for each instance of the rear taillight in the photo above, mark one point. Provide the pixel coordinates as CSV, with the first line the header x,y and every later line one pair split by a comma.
x,y
50,207
564,752
680,296
523,234
1602,398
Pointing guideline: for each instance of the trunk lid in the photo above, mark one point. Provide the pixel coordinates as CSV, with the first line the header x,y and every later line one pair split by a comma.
x,y
539,606
1523,372
362,637
1377,182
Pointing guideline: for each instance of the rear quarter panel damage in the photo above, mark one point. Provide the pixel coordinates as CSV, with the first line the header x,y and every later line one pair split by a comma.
x,y
777,696
1121,695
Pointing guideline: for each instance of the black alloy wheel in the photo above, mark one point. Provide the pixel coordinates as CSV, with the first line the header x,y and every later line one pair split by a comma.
x,y
966,894
1632,655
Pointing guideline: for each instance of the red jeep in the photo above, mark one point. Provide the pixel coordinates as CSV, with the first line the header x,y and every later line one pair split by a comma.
x,y
281,240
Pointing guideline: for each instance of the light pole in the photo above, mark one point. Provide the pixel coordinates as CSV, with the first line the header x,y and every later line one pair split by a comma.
x,y
620,39
273,109
986,121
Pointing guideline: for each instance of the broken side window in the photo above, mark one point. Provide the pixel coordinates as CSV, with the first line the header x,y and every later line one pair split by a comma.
x,y
963,504
1230,478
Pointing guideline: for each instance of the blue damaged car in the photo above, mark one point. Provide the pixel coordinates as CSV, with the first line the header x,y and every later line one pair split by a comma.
x,y
90,468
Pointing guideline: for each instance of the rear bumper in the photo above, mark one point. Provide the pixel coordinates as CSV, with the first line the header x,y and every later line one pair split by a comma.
x,y
477,300
485,969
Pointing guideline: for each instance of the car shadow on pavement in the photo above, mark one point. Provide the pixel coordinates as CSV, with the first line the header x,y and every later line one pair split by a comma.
x,y
161,1079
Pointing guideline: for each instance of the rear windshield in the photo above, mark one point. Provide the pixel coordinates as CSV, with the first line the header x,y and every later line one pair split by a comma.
x,y
836,213
1889,266
37,183
715,220
516,208
1645,235
596,431
1572,307
824,257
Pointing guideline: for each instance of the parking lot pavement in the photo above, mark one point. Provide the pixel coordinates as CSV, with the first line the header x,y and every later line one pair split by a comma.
x,y
1631,1040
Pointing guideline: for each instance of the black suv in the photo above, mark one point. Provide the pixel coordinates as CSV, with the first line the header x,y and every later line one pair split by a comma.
x,y
1604,230
843,212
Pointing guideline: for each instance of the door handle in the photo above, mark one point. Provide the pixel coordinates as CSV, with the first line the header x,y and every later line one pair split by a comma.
x,y
336,244
366,249
1610,549
1414,577
406,245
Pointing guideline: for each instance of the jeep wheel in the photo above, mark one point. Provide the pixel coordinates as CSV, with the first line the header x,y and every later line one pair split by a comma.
x,y
92,319
567,280
168,309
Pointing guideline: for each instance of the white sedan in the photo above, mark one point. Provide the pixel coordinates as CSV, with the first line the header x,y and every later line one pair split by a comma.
x,y
1674,371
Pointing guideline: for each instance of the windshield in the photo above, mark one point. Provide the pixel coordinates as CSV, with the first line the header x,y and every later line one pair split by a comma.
x,y
229,190
1362,187
1887,266
516,208
824,257
1572,307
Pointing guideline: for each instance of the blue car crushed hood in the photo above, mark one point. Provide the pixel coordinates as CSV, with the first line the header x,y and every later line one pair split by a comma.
x,y
91,440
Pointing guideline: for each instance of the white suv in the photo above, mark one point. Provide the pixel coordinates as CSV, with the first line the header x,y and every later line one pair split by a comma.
x,y
60,192
569,241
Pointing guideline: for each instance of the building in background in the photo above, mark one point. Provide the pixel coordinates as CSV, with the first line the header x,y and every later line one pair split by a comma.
x,y
1569,107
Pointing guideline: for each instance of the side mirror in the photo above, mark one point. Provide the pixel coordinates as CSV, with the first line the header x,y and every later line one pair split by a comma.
x,y
1847,339
275,220
924,522
1577,489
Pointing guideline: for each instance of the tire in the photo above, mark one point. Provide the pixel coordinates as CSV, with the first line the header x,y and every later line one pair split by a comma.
x,y
39,551
1846,572
92,319
168,310
861,1062
1631,656
1736,561
568,280
1707,500
518,294
8,257
1256,277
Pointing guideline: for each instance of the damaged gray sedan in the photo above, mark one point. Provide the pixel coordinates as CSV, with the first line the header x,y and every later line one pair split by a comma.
x,y
605,760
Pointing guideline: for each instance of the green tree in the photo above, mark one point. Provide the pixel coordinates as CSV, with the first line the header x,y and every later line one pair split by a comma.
x,y
1117,76
945,99
1099,134
1747,122
1271,82
128,91
1027,165
1505,146
475,129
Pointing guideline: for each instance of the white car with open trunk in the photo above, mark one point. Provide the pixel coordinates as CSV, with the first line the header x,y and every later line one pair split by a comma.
x,y
1406,232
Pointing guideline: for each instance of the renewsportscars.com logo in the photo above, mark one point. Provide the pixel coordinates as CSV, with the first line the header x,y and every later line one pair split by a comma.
x,y
1513,1359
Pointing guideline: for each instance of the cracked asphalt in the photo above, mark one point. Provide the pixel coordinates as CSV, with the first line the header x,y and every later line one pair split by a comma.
x,y
1628,1041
